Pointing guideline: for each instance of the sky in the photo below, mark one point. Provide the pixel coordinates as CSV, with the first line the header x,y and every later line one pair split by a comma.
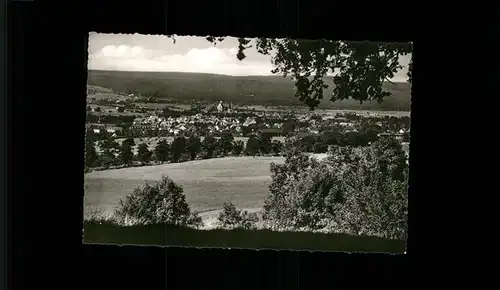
x,y
137,52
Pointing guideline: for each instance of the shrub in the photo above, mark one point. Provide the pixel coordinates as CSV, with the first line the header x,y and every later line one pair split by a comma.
x,y
354,191
377,209
143,153
231,218
162,202
315,197
377,193
100,217
238,147
276,147
278,209
194,220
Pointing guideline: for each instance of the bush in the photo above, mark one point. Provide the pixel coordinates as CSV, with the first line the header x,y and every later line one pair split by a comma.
x,y
354,191
279,210
100,217
231,218
162,202
378,209
315,197
238,147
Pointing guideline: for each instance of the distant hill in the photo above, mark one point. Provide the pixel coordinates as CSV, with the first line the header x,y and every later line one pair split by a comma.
x,y
256,90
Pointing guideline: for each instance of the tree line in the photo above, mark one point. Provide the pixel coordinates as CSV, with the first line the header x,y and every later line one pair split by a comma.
x,y
192,147
180,150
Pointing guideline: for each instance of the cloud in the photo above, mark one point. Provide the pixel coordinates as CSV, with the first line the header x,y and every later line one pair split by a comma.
x,y
202,60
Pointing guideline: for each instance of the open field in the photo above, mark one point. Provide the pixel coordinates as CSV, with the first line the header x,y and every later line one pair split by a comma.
x,y
332,113
177,107
207,183
109,96
98,89
255,90
161,235
328,112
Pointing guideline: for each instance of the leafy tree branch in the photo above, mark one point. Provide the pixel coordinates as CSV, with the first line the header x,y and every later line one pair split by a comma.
x,y
361,67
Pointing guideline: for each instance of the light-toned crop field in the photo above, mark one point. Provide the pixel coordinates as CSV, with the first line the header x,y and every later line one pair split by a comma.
x,y
178,107
207,183
329,112
363,113
150,105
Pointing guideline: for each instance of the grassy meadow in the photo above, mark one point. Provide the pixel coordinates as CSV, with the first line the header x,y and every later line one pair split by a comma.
x,y
207,183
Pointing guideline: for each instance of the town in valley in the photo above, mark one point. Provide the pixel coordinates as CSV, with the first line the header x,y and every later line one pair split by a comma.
x,y
230,146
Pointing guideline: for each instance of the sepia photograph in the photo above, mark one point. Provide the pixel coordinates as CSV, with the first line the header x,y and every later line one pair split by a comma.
x,y
255,143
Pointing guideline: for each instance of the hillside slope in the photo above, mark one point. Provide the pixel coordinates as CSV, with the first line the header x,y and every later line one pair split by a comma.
x,y
257,90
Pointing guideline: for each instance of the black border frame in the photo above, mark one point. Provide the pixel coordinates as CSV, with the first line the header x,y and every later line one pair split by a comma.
x,y
48,48
4,144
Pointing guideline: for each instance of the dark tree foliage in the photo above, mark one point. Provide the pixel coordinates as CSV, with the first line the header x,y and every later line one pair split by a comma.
x,y
330,137
208,145
161,202
110,148
320,147
193,147
171,113
264,143
276,147
178,147
238,147
143,153
129,141
225,143
126,155
360,191
253,146
230,218
162,151
91,155
278,213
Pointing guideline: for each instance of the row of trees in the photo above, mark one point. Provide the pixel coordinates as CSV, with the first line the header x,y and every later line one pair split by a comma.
x,y
192,148
181,149
358,191
319,143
